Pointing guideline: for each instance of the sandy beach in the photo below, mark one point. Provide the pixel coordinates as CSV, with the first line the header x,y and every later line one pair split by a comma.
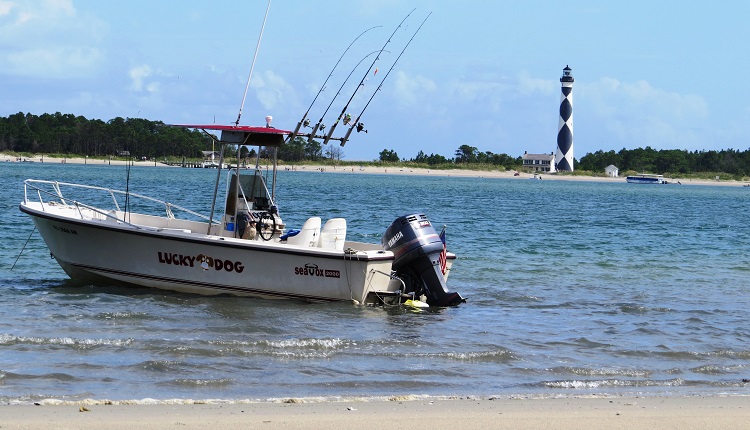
x,y
385,170
704,413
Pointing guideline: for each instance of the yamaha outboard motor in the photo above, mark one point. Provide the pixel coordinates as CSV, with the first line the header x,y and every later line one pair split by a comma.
x,y
417,248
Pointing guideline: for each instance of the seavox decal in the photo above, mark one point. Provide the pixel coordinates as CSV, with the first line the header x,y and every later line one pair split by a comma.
x,y
310,269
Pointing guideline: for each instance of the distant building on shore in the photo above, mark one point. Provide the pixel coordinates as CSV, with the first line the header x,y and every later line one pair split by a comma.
x,y
612,171
539,162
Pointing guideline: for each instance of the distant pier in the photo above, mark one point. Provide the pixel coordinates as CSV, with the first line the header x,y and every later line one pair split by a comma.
x,y
190,164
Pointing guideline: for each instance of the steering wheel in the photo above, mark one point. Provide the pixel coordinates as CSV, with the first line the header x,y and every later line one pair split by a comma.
x,y
266,226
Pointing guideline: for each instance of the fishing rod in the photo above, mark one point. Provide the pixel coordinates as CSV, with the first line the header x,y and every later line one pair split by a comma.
x,y
320,125
255,57
360,127
362,82
304,117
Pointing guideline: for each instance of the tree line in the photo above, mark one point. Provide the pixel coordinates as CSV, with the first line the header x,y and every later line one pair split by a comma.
x,y
465,155
69,134
669,161
76,135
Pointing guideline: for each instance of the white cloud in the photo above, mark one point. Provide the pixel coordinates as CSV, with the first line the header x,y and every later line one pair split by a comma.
x,y
48,39
529,85
641,98
53,61
137,75
272,90
639,115
410,90
5,7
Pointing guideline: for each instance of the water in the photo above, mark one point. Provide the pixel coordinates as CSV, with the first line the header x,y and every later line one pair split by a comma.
x,y
573,288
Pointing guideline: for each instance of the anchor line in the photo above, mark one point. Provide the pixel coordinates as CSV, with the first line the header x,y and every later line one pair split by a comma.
x,y
24,247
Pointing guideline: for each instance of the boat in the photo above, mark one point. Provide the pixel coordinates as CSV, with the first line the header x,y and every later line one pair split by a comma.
x,y
241,248
646,178
246,251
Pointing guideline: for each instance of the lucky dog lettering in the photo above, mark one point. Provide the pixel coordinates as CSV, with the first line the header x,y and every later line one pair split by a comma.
x,y
203,261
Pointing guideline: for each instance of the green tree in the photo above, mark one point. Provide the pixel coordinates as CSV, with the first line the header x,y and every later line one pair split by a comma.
x,y
388,155
466,154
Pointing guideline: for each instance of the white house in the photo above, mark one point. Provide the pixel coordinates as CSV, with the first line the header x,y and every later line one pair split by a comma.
x,y
539,162
612,171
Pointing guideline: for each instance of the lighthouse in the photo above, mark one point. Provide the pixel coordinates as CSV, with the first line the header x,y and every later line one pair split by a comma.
x,y
564,156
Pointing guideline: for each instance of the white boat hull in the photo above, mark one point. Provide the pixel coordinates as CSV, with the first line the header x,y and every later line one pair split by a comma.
x,y
179,260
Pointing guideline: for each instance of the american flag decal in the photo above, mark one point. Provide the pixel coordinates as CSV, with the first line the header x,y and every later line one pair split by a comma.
x,y
443,253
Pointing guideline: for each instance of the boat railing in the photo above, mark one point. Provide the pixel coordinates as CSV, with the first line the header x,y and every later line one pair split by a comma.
x,y
38,186
392,276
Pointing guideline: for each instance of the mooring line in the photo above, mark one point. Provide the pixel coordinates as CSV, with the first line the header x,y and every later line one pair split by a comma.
x,y
24,247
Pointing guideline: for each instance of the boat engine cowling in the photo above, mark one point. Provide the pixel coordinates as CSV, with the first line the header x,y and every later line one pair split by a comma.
x,y
417,247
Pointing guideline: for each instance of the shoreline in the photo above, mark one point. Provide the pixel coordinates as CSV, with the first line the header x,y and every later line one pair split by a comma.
x,y
558,413
510,174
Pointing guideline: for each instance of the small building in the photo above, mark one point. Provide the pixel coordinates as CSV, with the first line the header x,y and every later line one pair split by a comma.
x,y
612,171
211,159
123,153
210,156
539,162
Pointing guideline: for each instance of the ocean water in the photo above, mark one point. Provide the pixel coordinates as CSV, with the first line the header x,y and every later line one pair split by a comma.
x,y
573,288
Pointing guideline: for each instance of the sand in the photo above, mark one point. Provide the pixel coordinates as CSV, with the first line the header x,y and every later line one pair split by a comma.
x,y
704,413
389,171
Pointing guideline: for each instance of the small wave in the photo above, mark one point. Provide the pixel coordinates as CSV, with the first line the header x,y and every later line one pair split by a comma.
x,y
646,331
53,377
612,383
582,341
711,369
606,371
307,343
334,343
690,355
8,339
501,356
632,309
121,315
193,383
158,365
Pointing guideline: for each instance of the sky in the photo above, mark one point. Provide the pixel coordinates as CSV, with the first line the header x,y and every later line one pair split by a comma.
x,y
483,73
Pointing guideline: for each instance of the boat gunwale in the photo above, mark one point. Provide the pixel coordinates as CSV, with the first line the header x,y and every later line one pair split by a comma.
x,y
381,255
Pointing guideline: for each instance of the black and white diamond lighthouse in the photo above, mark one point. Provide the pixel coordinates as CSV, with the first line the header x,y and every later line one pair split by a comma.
x,y
564,155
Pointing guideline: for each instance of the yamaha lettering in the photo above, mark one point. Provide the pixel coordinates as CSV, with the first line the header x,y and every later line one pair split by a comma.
x,y
395,239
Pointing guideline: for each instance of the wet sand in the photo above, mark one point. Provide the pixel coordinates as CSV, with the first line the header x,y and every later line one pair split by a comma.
x,y
704,413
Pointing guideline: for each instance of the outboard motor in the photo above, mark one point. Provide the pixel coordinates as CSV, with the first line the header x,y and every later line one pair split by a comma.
x,y
417,247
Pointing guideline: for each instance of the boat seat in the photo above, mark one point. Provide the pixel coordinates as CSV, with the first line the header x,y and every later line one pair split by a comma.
x,y
308,234
333,234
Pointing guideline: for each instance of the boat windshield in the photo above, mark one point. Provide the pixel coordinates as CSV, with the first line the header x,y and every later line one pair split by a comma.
x,y
253,190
